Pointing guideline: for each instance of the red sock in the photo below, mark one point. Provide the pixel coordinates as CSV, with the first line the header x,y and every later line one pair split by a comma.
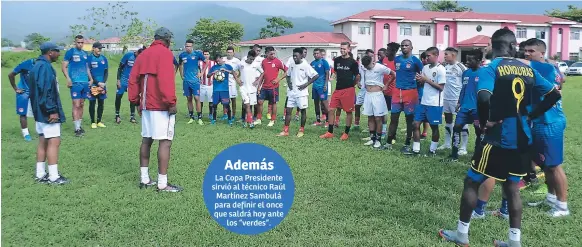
x,y
273,117
302,129
286,129
249,117
259,116
224,110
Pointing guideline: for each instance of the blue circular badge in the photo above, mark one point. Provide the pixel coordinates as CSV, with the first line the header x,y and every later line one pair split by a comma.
x,y
248,188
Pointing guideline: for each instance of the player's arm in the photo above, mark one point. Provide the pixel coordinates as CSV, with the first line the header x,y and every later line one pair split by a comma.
x,y
46,87
312,75
284,69
181,67
65,66
484,91
211,72
355,69
133,84
392,75
89,73
550,92
12,79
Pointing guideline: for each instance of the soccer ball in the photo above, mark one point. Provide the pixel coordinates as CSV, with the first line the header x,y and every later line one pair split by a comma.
x,y
219,76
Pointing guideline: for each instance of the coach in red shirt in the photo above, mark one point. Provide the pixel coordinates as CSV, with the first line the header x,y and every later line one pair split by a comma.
x,y
269,90
152,87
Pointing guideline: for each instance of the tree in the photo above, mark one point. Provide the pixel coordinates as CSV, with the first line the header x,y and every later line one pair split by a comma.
x,y
7,43
34,40
76,30
573,13
443,6
140,32
275,28
113,18
216,36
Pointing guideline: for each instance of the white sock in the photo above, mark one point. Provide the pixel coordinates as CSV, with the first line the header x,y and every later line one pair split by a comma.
x,y
145,175
53,172
416,146
448,134
77,124
162,181
25,132
551,198
40,169
561,205
463,227
514,234
434,146
465,137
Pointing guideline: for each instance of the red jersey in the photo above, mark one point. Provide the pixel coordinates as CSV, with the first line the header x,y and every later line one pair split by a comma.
x,y
271,70
205,80
387,78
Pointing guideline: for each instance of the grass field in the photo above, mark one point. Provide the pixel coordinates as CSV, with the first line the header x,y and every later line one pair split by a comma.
x,y
346,194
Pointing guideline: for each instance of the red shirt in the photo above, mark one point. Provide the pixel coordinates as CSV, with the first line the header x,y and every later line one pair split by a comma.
x,y
391,66
205,80
152,81
271,70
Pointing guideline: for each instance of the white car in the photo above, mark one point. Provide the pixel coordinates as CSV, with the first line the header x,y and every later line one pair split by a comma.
x,y
563,67
575,69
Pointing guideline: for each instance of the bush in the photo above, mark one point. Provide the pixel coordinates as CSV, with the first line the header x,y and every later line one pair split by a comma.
x,y
12,59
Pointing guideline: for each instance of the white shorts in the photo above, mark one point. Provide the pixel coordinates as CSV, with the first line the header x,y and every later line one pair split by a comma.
x,y
360,96
158,125
48,130
232,90
299,101
329,88
248,97
205,93
450,106
375,104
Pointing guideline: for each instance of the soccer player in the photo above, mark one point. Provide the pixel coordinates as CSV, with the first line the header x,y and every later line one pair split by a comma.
x,y
425,125
405,96
23,108
152,86
48,113
220,74
235,64
99,68
467,106
269,89
362,92
248,87
125,66
374,102
291,61
451,94
548,133
434,76
299,76
348,75
504,94
387,57
76,71
258,60
206,87
320,88
189,72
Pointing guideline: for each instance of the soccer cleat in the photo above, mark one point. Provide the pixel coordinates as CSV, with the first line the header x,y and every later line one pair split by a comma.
x,y
42,180
556,212
344,136
171,188
377,144
498,213
409,151
523,185
475,215
27,138
252,125
327,135
499,243
452,236
405,149
59,181
78,133
244,125
258,122
431,154
300,134
145,186
366,138
443,147
132,120
200,122
210,116
271,123
93,126
369,143
283,133
462,152
191,121
316,123
230,122
101,125
224,117
82,130
213,122
117,119
282,118
269,116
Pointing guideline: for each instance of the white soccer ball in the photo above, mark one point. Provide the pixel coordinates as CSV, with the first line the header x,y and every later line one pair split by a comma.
x,y
219,76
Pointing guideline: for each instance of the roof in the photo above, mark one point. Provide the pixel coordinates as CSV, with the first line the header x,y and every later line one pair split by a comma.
x,y
479,40
418,15
302,38
112,40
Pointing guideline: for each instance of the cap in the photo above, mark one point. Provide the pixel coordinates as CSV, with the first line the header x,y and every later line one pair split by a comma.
x,y
163,33
47,46
97,45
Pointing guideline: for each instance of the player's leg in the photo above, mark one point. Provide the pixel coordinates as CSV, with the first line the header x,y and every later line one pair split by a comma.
x,y
425,127
118,97
464,139
419,115
232,108
190,105
100,109
357,114
394,118
348,105
92,103
22,110
317,103
448,130
259,107
457,128
144,161
372,130
324,110
287,117
24,128
388,99
553,151
163,164
77,108
515,208
41,173
226,105
52,137
273,99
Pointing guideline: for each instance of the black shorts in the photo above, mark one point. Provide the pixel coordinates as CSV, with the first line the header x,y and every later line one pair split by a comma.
x,y
500,163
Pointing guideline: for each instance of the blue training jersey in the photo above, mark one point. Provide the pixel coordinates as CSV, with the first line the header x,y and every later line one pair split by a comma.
x,y
554,114
23,69
77,65
97,66
468,96
512,84
190,63
127,62
320,66
406,69
222,85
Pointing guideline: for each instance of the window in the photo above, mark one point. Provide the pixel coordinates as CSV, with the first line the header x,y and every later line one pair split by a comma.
x,y
575,35
574,56
479,28
521,33
406,30
424,30
386,26
540,34
334,54
365,30
446,27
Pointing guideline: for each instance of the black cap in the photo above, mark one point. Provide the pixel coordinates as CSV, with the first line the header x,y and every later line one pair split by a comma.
x,y
97,45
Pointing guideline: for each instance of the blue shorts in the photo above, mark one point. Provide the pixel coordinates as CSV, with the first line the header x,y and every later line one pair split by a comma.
x,y
420,92
100,96
222,97
191,88
80,90
272,95
318,93
431,114
404,100
548,143
467,116
22,103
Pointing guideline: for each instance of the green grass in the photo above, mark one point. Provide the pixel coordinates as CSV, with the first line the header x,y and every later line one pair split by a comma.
x,y
346,194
